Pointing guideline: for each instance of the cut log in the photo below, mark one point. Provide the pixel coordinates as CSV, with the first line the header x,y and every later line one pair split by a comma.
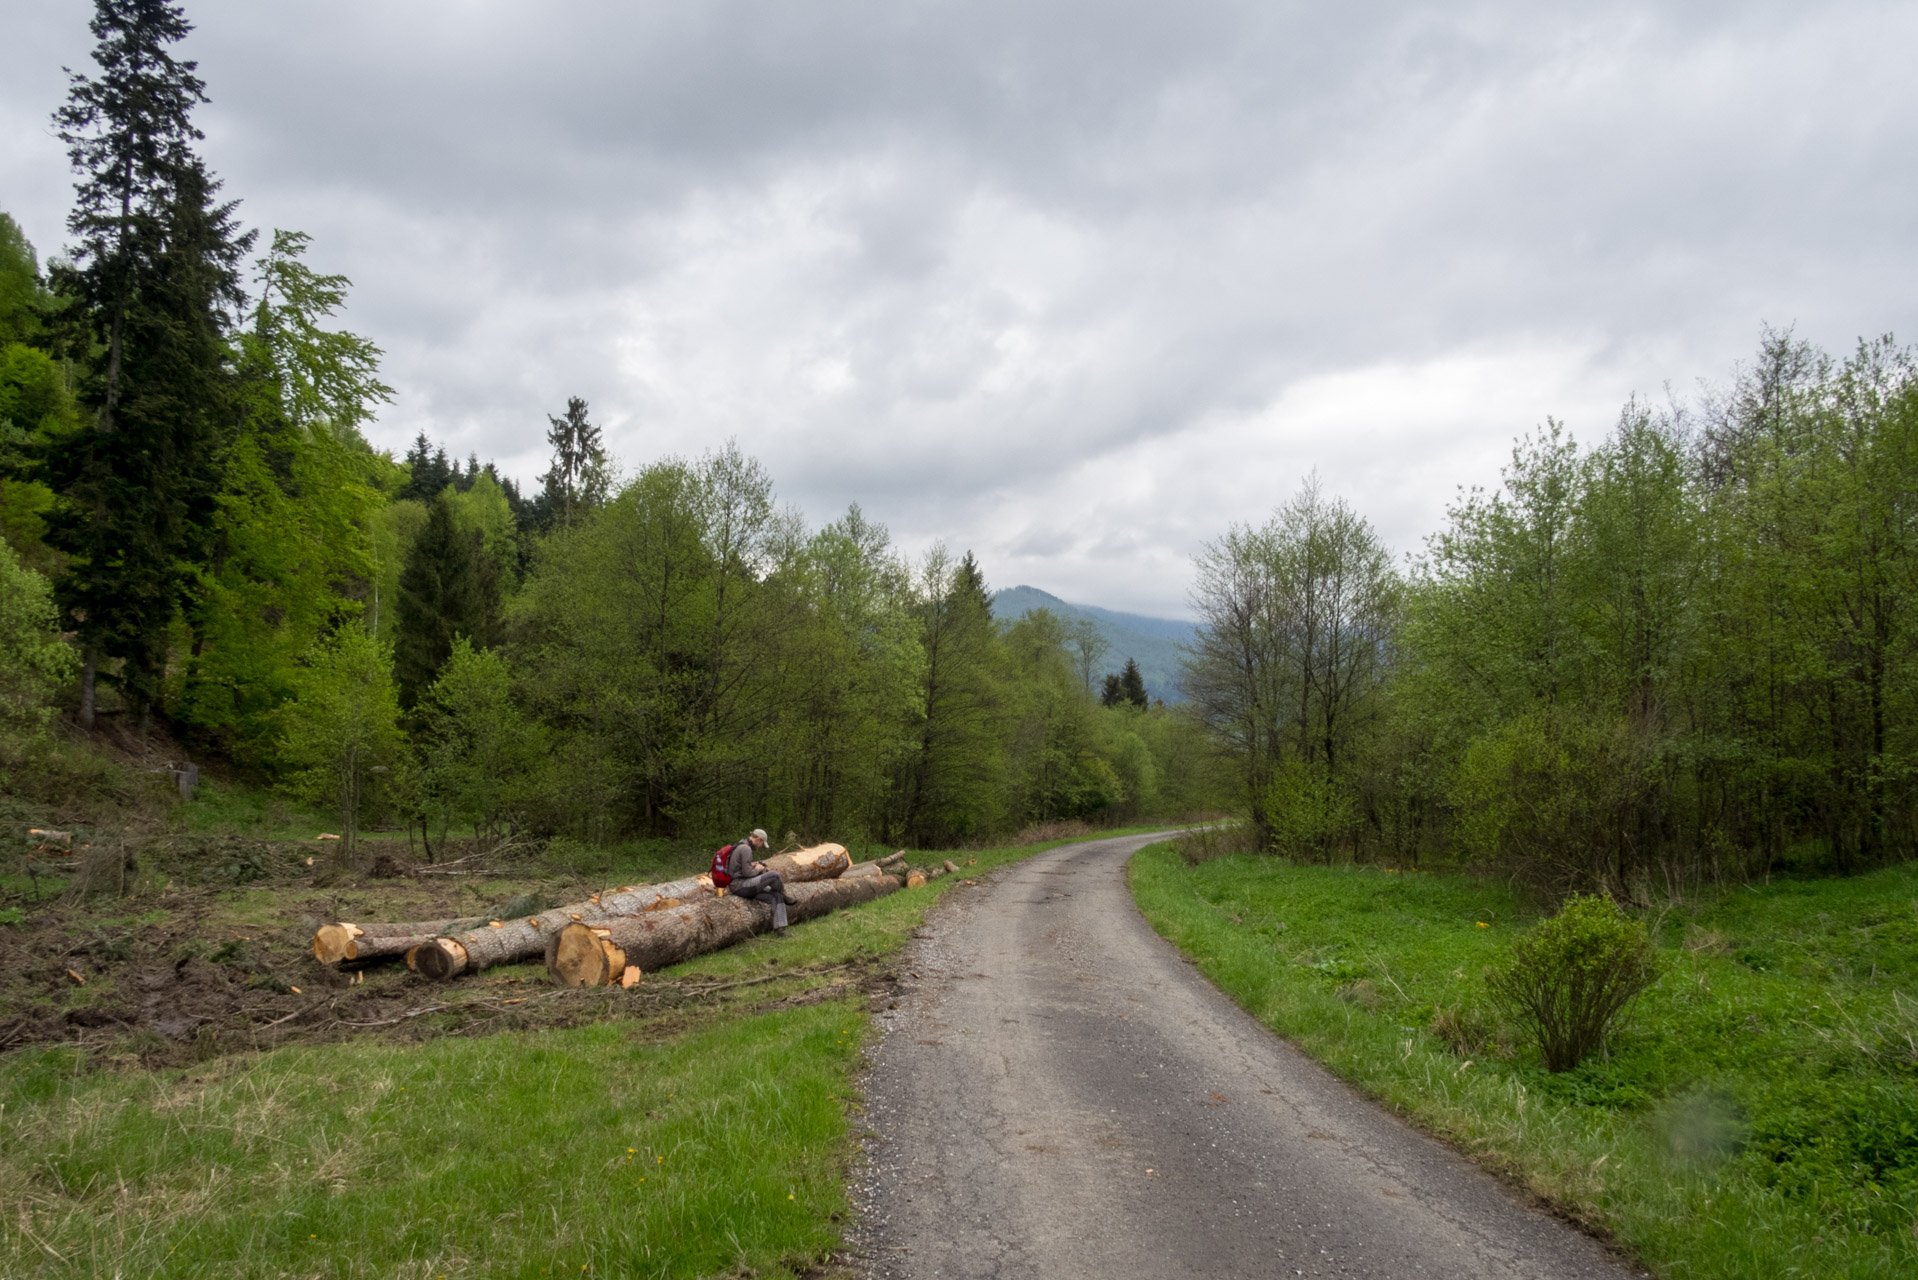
x,y
344,940
951,866
436,956
821,862
340,943
586,953
583,955
470,950
334,943
887,865
915,877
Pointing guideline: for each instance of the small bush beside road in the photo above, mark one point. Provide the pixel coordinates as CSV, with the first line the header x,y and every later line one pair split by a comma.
x,y
1569,980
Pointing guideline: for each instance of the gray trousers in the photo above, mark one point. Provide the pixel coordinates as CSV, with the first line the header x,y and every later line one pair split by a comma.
x,y
767,887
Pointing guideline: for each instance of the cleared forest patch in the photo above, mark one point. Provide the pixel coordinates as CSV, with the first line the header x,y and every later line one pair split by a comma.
x,y
1756,1115
698,1122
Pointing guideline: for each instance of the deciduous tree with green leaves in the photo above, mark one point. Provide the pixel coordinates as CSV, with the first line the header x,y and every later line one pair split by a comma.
x,y
289,557
1292,658
341,730
34,661
477,751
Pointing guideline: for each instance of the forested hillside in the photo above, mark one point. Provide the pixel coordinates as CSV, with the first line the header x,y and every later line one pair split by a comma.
x,y
1685,651
200,543
1156,645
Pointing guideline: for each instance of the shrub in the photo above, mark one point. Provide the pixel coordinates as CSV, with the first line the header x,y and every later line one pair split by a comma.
x,y
1307,810
1216,840
34,661
1570,979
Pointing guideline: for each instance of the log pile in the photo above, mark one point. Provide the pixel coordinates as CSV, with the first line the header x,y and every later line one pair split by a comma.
x,y
612,937
618,951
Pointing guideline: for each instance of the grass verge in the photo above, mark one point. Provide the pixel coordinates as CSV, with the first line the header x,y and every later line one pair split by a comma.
x,y
700,1124
579,1152
1756,1118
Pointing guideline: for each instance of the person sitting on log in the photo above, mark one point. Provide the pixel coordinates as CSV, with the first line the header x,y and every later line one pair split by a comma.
x,y
751,880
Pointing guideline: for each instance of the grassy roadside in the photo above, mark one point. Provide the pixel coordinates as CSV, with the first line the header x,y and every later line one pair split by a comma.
x,y
1758,1118
698,1124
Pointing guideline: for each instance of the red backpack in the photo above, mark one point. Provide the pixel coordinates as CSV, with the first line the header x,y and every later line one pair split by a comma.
x,y
720,877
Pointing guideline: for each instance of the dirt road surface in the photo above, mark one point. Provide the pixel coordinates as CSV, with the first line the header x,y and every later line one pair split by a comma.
x,y
1059,1095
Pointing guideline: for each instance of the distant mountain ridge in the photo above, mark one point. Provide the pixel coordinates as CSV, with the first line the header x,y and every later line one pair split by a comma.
x,y
1153,643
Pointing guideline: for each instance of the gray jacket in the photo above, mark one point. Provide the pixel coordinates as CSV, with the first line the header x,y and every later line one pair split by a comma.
x,y
739,863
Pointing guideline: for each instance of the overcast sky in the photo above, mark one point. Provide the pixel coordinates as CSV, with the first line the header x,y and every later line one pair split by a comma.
x,y
1071,284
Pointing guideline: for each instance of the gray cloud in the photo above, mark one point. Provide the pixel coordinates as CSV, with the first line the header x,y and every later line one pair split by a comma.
x,y
1072,284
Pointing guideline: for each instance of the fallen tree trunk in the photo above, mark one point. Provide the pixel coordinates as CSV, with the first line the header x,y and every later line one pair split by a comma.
x,y
345,943
821,862
346,940
616,951
343,940
509,941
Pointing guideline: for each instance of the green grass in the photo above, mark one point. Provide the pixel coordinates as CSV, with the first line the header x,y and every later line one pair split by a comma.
x,y
1757,1117
589,1151
701,1140
231,808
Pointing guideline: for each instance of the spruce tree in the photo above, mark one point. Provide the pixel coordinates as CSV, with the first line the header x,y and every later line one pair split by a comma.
x,y
1125,688
579,478
155,265
969,586
448,589
428,471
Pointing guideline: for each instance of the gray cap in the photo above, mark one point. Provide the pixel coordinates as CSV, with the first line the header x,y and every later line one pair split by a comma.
x,y
759,835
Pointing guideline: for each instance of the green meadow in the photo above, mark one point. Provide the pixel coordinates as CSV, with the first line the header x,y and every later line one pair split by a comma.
x,y
1756,1116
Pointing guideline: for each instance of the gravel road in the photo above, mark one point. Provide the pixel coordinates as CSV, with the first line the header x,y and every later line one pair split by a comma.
x,y
1058,1094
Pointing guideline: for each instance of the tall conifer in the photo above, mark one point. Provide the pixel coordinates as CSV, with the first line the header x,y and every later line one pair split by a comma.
x,y
580,477
155,267
428,471
447,590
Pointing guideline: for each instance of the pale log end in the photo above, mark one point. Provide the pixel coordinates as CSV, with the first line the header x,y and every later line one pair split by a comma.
x,y
440,959
579,958
333,943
